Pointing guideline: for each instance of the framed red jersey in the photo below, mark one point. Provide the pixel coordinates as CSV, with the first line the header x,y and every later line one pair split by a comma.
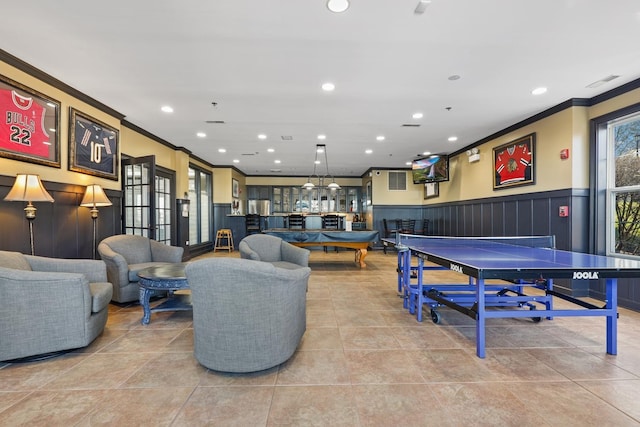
x,y
29,125
93,146
513,163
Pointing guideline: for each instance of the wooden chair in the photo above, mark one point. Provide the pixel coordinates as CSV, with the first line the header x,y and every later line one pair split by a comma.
x,y
295,221
331,222
406,226
388,232
425,227
252,224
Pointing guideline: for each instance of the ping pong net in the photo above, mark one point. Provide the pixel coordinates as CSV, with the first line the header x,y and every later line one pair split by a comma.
x,y
417,241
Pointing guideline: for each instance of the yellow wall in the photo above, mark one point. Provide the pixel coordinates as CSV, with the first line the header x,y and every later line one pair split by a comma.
x,y
413,195
569,128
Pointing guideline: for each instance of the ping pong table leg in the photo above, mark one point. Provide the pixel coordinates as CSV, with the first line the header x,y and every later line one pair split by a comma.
x,y
480,320
612,317
400,272
549,302
419,296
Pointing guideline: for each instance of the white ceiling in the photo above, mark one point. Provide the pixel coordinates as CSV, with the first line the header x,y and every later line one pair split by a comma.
x,y
263,63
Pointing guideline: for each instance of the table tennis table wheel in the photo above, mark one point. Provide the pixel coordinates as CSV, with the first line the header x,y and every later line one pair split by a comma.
x,y
535,319
435,316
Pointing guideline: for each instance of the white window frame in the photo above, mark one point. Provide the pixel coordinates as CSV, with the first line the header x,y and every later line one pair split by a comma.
x,y
611,189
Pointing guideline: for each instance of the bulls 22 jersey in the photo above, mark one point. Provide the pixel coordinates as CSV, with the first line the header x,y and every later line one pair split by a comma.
x,y
22,125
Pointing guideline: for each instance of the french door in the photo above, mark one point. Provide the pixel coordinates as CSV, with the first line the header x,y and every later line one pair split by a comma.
x,y
149,199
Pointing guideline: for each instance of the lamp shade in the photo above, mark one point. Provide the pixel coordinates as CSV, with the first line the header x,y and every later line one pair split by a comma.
x,y
333,185
94,196
28,188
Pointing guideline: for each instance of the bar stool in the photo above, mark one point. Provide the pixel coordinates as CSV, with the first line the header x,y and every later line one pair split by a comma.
x,y
224,236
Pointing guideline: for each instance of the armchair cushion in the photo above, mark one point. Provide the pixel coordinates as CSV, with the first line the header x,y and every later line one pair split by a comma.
x,y
125,255
14,260
101,294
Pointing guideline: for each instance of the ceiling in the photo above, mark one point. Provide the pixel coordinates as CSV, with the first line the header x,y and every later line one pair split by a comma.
x,y
259,66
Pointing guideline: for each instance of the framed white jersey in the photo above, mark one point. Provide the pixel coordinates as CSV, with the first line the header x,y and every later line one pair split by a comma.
x,y
93,146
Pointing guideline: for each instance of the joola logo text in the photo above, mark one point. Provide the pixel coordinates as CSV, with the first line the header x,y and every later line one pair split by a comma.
x,y
585,275
455,267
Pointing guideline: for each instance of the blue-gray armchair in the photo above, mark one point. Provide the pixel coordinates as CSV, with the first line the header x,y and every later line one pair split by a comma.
x,y
125,255
266,248
49,305
247,315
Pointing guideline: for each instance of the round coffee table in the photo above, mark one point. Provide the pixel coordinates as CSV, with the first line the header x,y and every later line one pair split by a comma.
x,y
168,277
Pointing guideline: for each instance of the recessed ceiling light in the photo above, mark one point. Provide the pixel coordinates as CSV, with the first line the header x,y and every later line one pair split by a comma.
x,y
539,91
380,138
201,135
426,153
270,150
452,138
236,161
276,161
453,77
417,115
167,109
328,87
262,136
408,163
317,162
222,150
322,137
368,151
338,6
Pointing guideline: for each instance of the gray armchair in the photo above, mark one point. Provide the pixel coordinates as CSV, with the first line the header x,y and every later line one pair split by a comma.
x,y
49,305
125,255
272,249
247,315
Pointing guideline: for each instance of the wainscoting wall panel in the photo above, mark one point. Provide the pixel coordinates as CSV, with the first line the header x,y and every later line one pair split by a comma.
x,y
62,229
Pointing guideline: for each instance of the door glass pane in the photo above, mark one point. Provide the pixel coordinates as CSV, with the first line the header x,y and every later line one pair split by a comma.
x,y
204,207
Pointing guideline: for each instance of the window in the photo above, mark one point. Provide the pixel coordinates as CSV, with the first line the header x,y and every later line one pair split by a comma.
x,y
164,207
397,180
200,220
623,186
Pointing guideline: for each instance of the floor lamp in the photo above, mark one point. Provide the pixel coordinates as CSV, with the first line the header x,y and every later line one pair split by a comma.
x,y
29,188
94,198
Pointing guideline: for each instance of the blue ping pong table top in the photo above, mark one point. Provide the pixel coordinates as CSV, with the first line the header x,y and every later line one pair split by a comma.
x,y
509,258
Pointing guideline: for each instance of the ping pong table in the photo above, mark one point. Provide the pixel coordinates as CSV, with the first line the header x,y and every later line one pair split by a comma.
x,y
519,261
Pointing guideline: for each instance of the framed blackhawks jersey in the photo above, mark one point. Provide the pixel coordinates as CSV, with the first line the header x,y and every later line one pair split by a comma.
x,y
29,125
93,146
513,163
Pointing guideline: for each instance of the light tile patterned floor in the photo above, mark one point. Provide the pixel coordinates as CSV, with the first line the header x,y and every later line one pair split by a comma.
x,y
363,361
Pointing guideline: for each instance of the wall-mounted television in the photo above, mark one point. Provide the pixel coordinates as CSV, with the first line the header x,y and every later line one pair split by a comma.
x,y
433,168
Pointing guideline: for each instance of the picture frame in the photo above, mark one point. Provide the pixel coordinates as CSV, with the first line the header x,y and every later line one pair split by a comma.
x,y
30,126
235,188
94,146
431,190
513,163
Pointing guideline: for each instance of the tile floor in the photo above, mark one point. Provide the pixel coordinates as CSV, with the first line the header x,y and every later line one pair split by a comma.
x,y
363,361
